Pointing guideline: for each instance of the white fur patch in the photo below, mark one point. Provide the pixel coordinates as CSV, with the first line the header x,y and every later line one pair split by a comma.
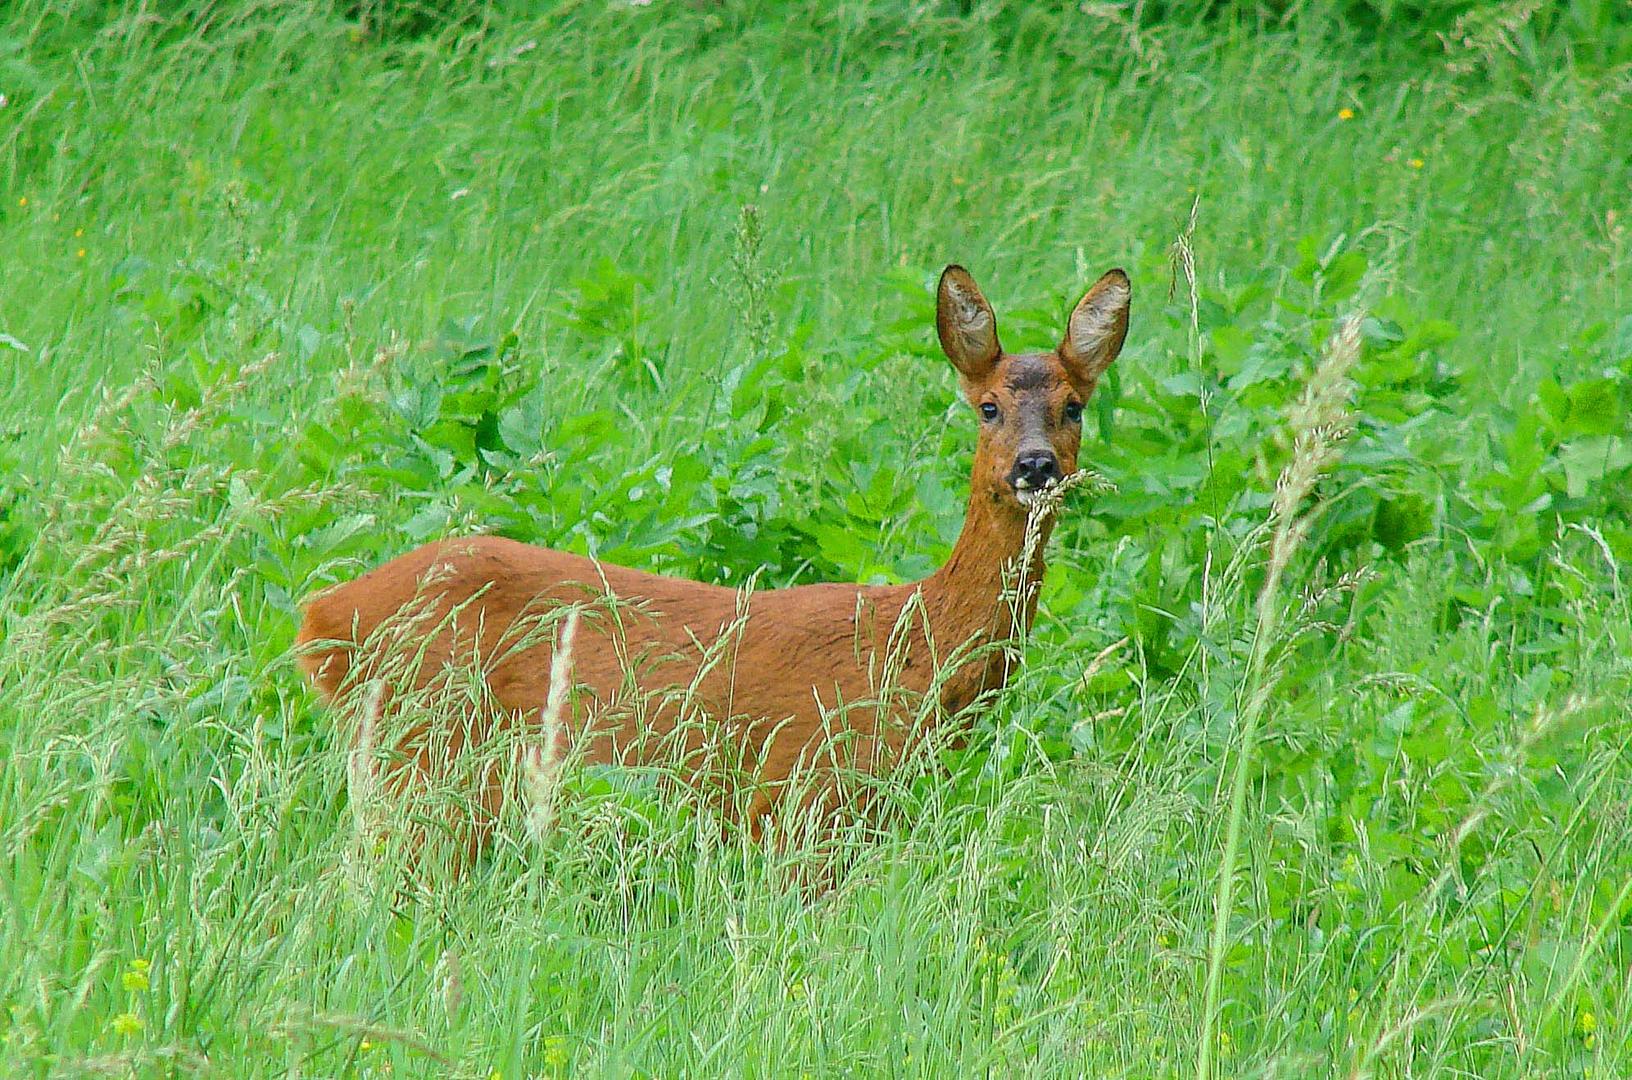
x,y
973,318
1092,322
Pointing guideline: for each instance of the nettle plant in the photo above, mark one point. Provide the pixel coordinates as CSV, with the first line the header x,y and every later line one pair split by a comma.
x,y
465,430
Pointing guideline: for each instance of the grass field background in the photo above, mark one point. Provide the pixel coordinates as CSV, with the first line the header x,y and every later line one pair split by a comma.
x,y
286,289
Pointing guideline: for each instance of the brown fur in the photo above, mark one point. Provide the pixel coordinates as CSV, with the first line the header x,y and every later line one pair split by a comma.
x,y
801,684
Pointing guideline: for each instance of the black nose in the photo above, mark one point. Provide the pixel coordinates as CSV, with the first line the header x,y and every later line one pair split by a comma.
x,y
1035,469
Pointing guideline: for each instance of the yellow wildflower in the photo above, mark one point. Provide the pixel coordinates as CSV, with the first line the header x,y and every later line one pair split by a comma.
x,y
1586,1025
127,1023
1345,113
23,201
79,232
80,254
555,1051
1415,163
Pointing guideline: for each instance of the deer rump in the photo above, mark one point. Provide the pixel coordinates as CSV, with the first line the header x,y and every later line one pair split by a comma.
x,y
742,693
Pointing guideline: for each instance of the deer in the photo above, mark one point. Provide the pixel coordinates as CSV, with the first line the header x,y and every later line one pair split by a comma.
x,y
792,689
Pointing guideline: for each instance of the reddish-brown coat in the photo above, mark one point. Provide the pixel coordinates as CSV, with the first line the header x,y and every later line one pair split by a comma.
x,y
782,671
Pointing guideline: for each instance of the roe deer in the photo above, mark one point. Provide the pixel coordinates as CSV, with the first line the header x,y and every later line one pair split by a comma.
x,y
802,685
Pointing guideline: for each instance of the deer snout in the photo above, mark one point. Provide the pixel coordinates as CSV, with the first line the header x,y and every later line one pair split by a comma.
x,y
1034,470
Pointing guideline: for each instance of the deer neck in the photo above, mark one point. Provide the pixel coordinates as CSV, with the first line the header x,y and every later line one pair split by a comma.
x,y
987,590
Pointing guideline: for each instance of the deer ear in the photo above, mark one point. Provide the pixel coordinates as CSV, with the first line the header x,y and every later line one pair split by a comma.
x,y
966,325
1096,329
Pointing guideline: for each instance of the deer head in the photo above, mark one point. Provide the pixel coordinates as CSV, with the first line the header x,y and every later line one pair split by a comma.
x,y
1030,404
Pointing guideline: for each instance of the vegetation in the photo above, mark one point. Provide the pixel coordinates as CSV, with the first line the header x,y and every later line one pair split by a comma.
x,y
1330,782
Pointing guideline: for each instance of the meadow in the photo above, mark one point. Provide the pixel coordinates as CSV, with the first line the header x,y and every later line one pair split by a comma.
x,y
1330,784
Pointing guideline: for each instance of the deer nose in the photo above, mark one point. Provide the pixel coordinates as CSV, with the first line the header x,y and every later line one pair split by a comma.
x,y
1035,469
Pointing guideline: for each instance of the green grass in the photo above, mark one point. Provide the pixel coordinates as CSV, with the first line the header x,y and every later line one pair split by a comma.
x,y
283,298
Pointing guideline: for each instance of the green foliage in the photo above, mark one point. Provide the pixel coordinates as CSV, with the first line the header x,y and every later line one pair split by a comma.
x,y
293,288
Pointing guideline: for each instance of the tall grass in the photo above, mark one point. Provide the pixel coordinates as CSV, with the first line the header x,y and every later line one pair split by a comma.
x,y
1324,777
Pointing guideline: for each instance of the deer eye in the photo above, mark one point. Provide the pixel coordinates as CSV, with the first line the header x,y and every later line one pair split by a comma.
x,y
988,411
1073,412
